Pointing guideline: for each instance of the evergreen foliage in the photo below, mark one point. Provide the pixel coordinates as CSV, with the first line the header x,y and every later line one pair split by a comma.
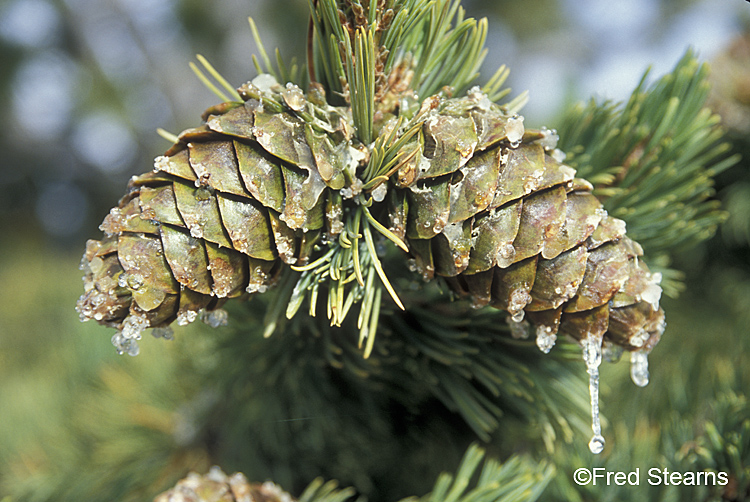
x,y
305,403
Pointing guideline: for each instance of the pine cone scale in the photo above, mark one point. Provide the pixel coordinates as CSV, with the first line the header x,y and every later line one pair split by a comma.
x,y
262,177
187,259
217,160
200,212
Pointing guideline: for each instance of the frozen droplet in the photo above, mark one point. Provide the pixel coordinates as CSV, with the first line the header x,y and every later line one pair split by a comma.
x,y
514,130
549,138
596,445
638,339
134,281
379,192
125,345
639,368
545,338
518,329
216,318
166,332
132,349
652,293
161,163
294,97
133,326
558,155
592,356
186,317
203,193
505,255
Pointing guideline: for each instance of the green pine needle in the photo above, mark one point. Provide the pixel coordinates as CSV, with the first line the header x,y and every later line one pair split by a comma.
x,y
652,160
517,480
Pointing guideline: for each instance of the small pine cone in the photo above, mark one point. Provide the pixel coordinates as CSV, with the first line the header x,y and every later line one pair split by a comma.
x,y
477,199
218,487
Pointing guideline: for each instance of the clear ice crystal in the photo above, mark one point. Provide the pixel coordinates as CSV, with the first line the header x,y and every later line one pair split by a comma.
x,y
166,332
639,338
133,326
549,138
639,368
379,192
216,318
185,317
611,352
125,345
519,329
514,130
545,338
596,445
592,356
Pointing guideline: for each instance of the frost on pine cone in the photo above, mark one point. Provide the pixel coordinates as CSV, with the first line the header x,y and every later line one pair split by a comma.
x,y
215,486
280,180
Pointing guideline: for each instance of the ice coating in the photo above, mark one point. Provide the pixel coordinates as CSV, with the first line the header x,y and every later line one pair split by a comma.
x,y
216,318
545,338
592,356
639,367
514,130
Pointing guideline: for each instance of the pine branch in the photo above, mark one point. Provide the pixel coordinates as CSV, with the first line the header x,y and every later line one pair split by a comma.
x,y
517,480
653,160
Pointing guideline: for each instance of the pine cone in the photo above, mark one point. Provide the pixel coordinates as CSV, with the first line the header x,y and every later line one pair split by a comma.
x,y
218,487
272,181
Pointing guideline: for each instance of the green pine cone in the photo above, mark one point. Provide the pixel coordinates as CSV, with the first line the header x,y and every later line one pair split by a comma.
x,y
280,181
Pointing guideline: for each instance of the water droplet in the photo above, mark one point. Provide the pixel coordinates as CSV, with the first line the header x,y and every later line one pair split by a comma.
x,y
549,138
638,339
514,130
132,349
596,445
652,293
379,192
545,338
134,281
293,97
216,318
203,193
125,345
166,332
186,317
592,356
518,329
558,155
133,326
639,368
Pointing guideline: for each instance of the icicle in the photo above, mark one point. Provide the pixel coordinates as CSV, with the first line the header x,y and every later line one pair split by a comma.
x,y
592,356
639,368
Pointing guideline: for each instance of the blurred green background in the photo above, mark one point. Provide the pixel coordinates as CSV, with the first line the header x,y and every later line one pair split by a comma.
x,y
85,83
